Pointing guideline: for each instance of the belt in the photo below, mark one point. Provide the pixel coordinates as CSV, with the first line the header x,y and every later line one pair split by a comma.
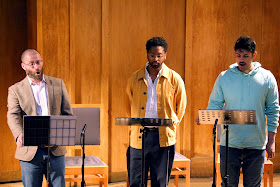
x,y
154,129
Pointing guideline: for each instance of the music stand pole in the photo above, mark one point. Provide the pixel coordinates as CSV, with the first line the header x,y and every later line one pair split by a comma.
x,y
83,183
48,160
48,167
226,177
214,156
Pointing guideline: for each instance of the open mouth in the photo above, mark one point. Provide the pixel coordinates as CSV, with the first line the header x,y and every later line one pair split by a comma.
x,y
242,63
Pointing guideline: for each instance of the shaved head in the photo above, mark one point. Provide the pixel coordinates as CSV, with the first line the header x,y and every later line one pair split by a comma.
x,y
27,52
32,63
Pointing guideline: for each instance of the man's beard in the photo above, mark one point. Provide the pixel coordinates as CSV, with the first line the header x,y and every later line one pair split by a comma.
x,y
34,76
156,65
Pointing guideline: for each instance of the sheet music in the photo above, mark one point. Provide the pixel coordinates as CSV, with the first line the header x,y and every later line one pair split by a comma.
x,y
238,117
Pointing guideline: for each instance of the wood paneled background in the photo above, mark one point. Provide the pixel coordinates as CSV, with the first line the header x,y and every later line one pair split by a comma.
x,y
95,45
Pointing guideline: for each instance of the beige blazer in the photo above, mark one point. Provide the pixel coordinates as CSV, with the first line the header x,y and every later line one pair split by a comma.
x,y
21,102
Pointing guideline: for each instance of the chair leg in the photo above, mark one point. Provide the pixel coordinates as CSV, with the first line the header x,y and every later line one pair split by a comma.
x,y
176,180
106,179
218,176
264,181
271,176
188,174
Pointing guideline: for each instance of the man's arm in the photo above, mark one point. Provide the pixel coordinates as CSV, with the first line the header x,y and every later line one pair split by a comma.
x,y
65,103
128,98
14,116
181,100
216,100
272,114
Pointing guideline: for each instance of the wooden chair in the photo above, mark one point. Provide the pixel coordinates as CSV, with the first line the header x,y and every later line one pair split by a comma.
x,y
181,166
96,171
268,166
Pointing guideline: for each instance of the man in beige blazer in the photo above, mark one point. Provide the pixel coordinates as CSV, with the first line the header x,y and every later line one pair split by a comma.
x,y
37,94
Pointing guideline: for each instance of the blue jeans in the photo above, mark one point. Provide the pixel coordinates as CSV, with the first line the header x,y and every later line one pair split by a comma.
x,y
158,160
251,161
32,171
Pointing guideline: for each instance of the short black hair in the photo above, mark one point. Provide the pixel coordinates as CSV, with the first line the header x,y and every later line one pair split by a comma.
x,y
245,42
156,41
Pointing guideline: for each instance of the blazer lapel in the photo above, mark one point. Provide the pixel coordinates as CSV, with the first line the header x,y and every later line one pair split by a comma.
x,y
50,93
30,100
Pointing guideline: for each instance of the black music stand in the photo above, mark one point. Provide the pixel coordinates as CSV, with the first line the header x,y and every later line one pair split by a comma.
x,y
145,122
49,131
225,117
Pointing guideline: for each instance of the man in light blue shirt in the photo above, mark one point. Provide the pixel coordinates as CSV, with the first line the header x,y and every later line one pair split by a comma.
x,y
247,86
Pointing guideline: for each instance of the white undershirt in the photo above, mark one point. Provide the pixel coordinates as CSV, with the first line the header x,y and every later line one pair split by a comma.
x,y
40,95
151,105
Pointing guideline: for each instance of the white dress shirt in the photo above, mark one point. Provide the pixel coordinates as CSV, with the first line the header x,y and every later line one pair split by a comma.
x,y
151,105
40,95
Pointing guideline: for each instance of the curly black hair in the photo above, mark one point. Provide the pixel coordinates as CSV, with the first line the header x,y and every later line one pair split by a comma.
x,y
156,41
245,42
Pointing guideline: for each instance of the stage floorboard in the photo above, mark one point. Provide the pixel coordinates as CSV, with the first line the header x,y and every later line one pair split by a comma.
x,y
195,182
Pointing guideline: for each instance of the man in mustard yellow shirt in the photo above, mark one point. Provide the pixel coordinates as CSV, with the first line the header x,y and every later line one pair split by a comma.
x,y
155,91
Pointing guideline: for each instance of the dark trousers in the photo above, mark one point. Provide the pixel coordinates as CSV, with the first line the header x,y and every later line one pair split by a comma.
x,y
158,160
251,161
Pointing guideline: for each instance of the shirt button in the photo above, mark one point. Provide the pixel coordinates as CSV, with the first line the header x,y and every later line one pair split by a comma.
x,y
144,93
142,108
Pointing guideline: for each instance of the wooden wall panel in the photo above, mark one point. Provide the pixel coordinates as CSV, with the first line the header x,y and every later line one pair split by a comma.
x,y
211,26
69,38
87,51
270,58
53,36
215,27
96,45
13,41
132,23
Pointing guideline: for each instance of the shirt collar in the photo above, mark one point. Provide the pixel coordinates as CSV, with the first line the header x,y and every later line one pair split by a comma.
x,y
32,83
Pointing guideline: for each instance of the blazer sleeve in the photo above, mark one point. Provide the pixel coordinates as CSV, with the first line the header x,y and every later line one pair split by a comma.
x,y
66,108
14,116
181,100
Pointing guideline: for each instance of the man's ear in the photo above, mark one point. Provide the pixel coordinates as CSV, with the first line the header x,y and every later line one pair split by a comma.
x,y
165,56
23,66
255,54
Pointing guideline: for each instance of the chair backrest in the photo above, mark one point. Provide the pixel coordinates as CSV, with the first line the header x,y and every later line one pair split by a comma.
x,y
91,117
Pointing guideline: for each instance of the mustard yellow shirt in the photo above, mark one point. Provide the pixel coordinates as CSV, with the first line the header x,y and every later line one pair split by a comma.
x,y
171,103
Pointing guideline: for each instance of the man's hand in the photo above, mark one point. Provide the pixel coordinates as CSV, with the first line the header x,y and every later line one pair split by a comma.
x,y
19,140
270,146
270,149
197,121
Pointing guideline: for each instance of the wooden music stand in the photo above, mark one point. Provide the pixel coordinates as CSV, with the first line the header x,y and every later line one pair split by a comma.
x,y
225,117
